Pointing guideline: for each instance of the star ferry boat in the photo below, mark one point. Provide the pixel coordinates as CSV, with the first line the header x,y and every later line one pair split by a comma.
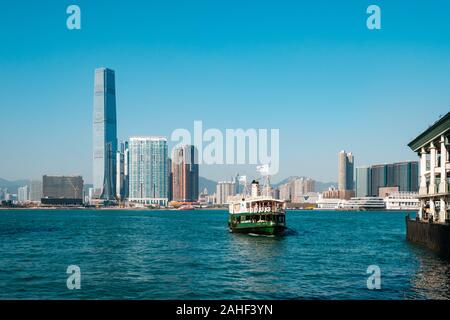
x,y
257,214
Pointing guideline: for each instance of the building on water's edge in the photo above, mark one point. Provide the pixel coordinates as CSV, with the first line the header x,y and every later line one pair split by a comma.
x,y
432,225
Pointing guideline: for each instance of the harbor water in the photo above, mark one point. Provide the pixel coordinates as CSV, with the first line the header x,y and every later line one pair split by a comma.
x,y
162,254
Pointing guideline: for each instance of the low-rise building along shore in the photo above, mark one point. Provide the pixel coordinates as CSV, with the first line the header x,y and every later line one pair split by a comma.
x,y
432,225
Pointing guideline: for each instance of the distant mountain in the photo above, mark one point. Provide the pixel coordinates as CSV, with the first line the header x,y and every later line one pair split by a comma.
x,y
324,186
320,186
12,186
208,184
284,181
211,185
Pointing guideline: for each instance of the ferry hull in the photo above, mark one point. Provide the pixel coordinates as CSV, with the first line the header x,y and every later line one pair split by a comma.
x,y
263,230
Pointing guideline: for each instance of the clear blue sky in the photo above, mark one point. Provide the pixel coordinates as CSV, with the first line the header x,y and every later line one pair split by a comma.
x,y
311,69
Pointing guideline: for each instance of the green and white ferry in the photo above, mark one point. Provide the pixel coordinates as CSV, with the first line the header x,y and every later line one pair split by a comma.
x,y
257,214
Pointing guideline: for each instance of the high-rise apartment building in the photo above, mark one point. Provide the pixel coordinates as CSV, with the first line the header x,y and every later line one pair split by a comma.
x,y
148,173
122,169
185,173
295,189
104,134
345,171
22,194
225,189
35,190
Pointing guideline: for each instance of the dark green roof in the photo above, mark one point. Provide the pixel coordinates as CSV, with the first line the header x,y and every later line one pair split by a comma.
x,y
439,127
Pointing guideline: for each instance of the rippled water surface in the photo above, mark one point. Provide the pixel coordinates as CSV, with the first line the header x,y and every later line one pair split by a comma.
x,y
191,255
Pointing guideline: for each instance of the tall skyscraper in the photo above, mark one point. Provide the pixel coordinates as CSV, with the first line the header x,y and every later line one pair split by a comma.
x,y
345,171
105,134
185,174
148,170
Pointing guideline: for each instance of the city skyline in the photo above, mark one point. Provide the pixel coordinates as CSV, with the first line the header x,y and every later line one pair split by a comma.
x,y
366,85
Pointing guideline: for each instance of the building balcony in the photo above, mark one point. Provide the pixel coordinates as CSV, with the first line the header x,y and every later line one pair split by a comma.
x,y
438,190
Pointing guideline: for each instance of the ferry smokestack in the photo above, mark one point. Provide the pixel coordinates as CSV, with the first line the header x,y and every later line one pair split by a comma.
x,y
255,189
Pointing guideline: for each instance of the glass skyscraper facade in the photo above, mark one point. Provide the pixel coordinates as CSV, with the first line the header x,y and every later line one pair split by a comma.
x,y
148,175
105,134
403,175
362,181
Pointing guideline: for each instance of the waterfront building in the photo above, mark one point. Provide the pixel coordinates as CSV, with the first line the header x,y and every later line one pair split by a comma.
x,y
345,170
11,197
224,190
203,196
62,190
91,193
169,180
104,134
308,198
185,174
406,176
333,193
402,201
148,173
285,192
301,187
329,203
378,178
211,199
432,146
386,191
365,203
22,194
122,170
362,181
294,190
35,191
372,180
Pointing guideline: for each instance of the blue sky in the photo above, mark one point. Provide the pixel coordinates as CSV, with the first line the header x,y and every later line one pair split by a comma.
x,y
311,69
